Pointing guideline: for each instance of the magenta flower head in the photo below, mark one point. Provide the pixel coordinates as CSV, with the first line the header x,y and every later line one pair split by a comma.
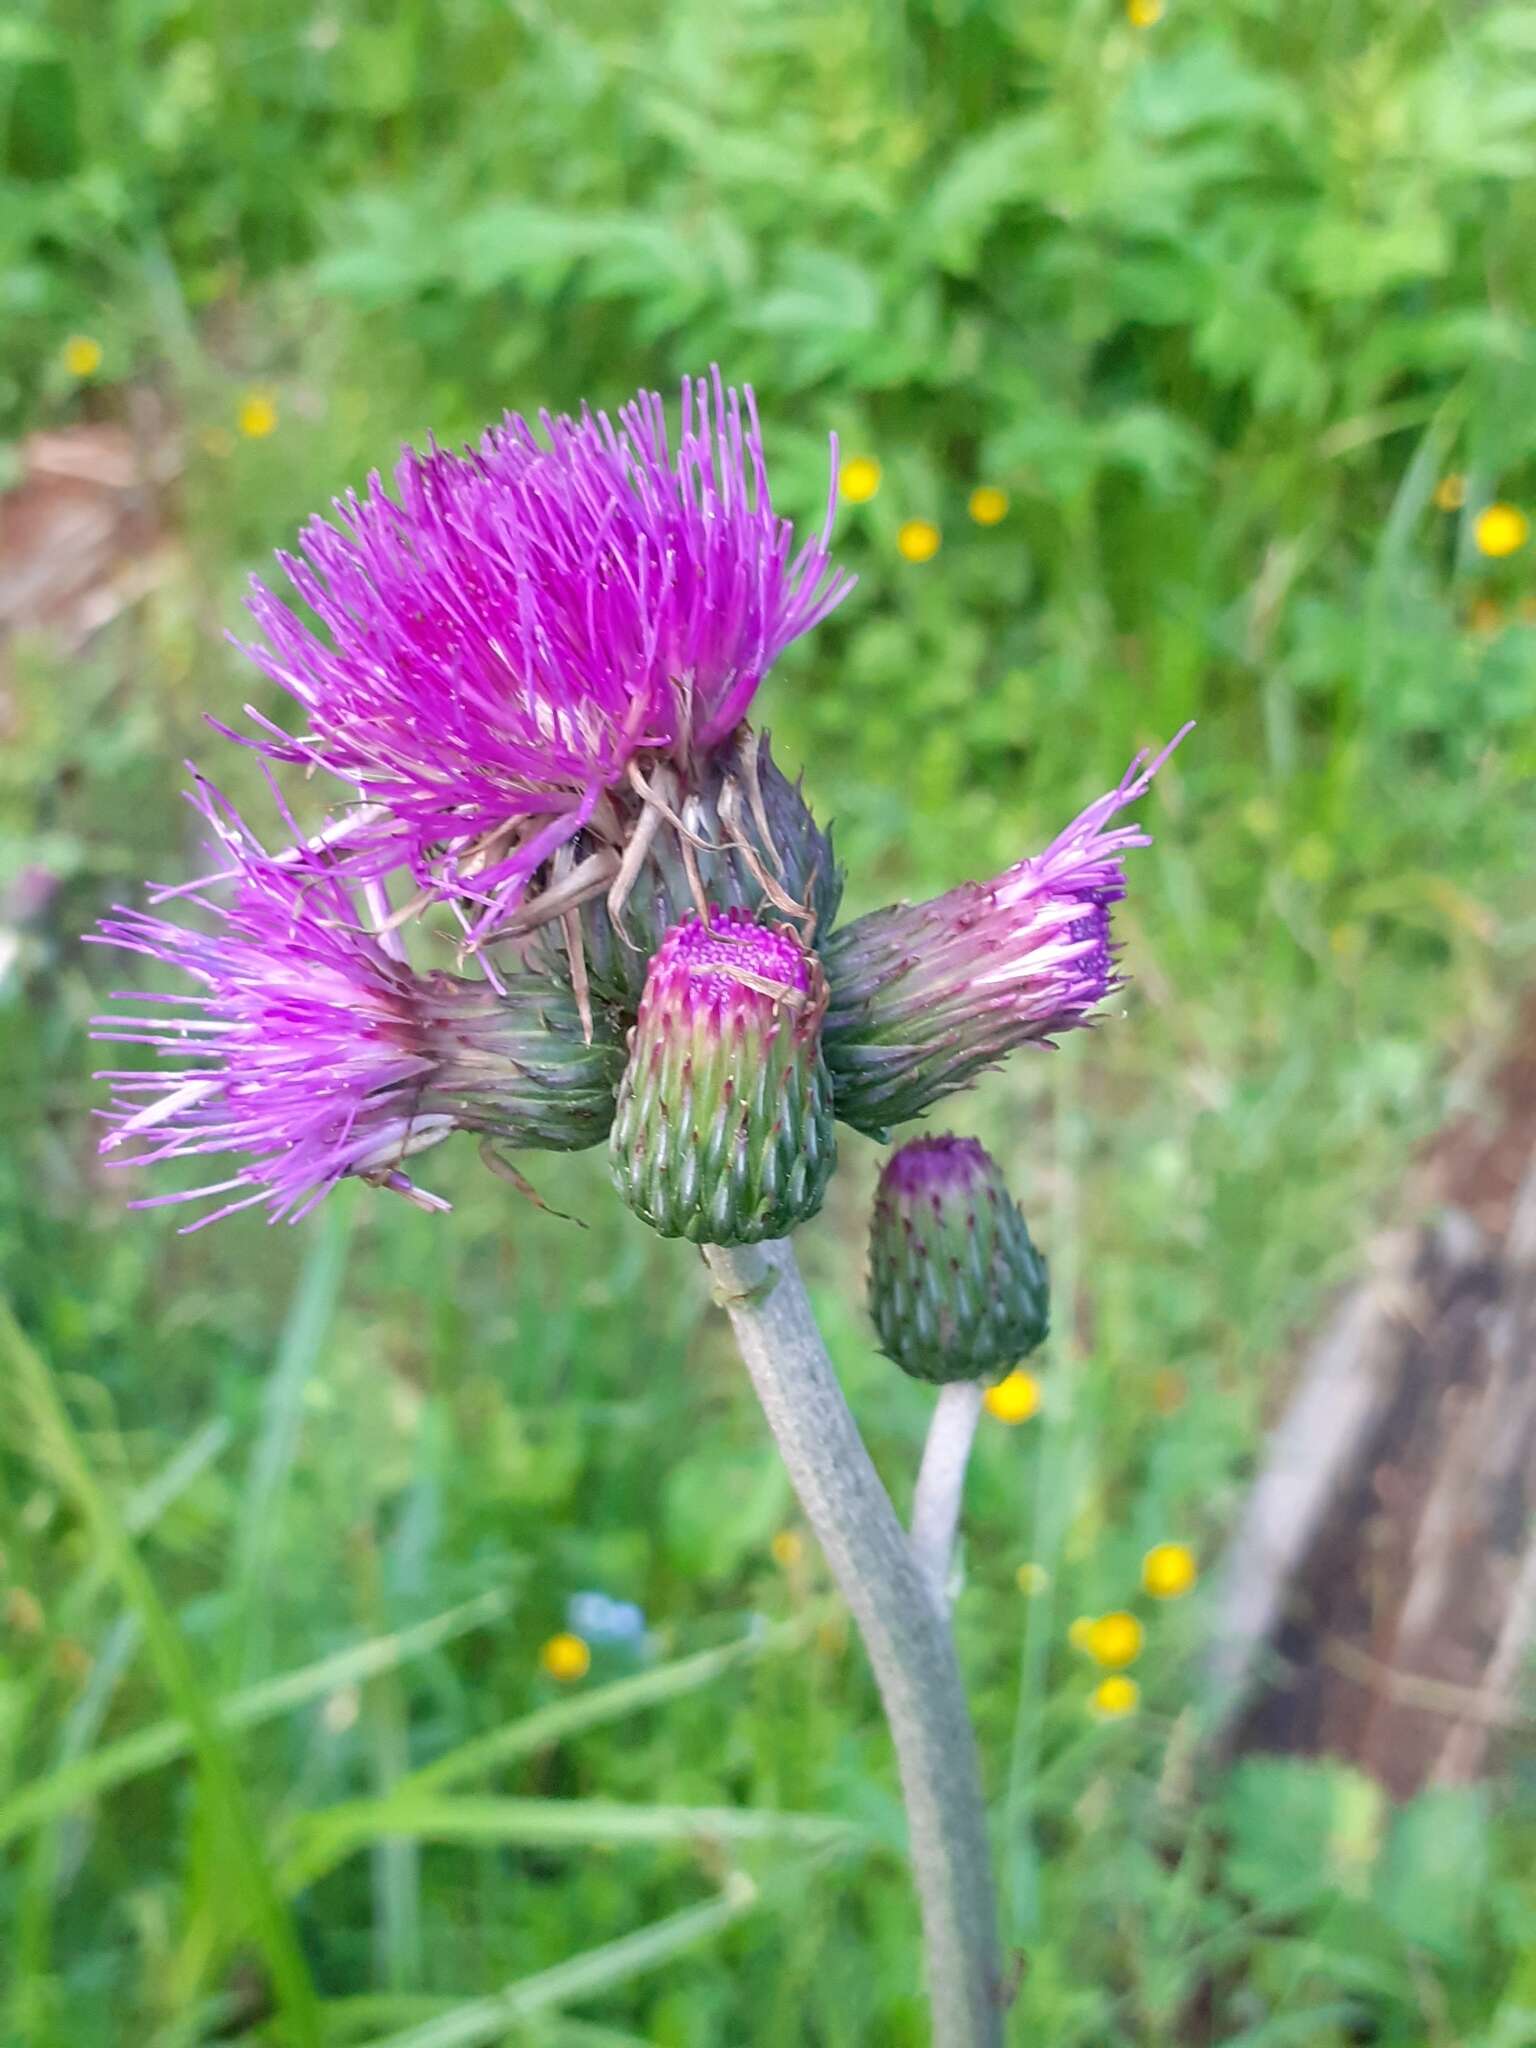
x,y
310,1046
533,626
956,1289
724,1131
924,996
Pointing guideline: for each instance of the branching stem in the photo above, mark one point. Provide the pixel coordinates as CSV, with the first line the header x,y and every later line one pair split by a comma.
x,y
941,1482
905,1629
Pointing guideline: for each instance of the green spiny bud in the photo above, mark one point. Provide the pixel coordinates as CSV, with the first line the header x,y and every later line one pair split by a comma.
x,y
737,834
724,1130
956,1289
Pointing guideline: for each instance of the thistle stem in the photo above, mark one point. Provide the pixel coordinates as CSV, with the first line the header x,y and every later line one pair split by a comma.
x,y
941,1482
905,1630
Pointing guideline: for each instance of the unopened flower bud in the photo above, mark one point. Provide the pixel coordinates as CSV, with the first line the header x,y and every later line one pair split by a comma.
x,y
924,996
724,1130
956,1289
517,1063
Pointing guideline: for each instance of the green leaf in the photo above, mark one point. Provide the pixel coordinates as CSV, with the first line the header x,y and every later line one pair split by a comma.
x,y
718,1509
981,181
1299,1830
1434,1870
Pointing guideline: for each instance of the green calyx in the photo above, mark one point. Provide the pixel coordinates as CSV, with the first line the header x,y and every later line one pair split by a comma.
x,y
520,1063
736,834
724,1130
957,1290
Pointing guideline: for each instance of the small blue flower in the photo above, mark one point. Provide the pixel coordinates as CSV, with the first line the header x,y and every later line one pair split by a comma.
x,y
602,1619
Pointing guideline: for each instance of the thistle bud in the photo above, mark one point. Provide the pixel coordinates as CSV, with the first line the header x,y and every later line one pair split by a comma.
x,y
737,834
956,1289
924,996
724,1130
517,1063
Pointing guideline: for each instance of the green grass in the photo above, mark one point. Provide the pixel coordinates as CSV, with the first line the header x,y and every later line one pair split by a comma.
x,y
285,1516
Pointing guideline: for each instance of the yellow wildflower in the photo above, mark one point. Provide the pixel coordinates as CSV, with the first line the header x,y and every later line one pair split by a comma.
x,y
1013,1399
82,355
1114,1640
1031,1579
257,416
918,540
1143,13
566,1657
1451,493
787,1549
1501,530
1169,1569
988,505
859,479
1113,1698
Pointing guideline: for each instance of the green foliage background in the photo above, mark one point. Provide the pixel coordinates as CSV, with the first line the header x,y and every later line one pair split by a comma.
x,y
1219,302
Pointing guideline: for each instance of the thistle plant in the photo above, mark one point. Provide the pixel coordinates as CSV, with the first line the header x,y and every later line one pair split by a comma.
x,y
567,896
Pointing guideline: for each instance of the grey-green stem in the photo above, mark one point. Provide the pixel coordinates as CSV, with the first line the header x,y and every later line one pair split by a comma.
x,y
904,1625
941,1482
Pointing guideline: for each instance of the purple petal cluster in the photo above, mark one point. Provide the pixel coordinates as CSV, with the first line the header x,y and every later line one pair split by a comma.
x,y
302,1046
931,1168
730,964
926,995
518,623
309,1044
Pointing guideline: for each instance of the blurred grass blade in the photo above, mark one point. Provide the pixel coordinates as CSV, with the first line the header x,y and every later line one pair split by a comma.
x,y
164,1741
563,2033
58,1445
318,1852
599,1969
396,1857
144,1507
358,2019
605,1703
305,1331
46,1869
324,1838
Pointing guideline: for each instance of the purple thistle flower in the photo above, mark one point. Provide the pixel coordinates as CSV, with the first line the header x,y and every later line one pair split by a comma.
x,y
314,1047
521,622
924,996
